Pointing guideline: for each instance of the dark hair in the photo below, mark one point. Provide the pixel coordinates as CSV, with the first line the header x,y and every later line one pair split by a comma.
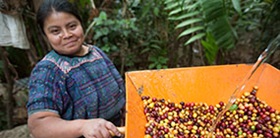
x,y
49,6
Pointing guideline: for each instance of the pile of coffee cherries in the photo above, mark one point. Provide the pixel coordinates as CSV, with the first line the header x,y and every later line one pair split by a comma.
x,y
247,117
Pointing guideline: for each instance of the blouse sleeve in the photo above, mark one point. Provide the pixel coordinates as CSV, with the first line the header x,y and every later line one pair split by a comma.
x,y
113,69
45,89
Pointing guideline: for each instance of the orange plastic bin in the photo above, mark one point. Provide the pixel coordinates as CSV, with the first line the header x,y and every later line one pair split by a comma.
x,y
208,84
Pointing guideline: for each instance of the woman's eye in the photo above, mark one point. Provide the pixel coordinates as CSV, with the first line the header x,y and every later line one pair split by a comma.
x,y
73,26
55,32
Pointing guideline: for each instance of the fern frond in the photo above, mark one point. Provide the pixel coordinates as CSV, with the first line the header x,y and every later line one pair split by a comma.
x,y
188,22
191,30
174,4
184,16
236,5
194,38
181,9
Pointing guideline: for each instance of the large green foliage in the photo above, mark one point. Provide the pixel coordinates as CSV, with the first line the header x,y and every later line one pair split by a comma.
x,y
109,31
139,34
214,23
201,17
132,36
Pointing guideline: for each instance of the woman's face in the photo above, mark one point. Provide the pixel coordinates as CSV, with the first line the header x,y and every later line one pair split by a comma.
x,y
64,32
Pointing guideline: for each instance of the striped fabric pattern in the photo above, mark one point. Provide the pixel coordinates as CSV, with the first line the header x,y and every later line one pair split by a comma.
x,y
76,87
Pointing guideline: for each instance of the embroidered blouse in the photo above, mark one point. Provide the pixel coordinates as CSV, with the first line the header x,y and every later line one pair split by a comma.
x,y
77,87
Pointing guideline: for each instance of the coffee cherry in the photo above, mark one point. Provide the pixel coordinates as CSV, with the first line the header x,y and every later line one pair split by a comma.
x,y
247,117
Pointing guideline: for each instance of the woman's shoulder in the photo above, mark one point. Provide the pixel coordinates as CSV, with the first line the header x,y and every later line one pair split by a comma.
x,y
97,51
94,48
50,61
45,69
45,62
66,64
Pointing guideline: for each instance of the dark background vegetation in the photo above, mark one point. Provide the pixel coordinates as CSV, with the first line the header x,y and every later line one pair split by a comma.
x,y
157,34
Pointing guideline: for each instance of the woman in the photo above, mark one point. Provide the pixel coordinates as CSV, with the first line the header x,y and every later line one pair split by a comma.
x,y
75,90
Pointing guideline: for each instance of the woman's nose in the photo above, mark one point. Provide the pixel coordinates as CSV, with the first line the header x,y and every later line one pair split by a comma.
x,y
67,34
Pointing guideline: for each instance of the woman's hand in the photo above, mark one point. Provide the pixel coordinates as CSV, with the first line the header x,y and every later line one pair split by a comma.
x,y
99,128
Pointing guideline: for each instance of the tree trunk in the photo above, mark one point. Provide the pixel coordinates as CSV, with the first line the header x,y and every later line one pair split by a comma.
x,y
36,4
9,95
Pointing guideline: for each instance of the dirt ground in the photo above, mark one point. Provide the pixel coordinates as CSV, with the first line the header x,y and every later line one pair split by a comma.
x,y
20,116
18,132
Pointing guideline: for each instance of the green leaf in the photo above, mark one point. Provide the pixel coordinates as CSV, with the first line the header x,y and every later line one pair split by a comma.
x,y
101,19
192,7
97,35
225,41
176,4
153,59
155,46
145,50
101,32
183,16
106,48
168,1
103,15
194,38
172,5
159,66
175,11
184,8
210,47
233,107
191,30
236,5
144,13
188,22
163,60
164,67
156,11
213,9
152,66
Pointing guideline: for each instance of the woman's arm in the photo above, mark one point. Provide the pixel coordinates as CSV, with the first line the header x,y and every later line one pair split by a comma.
x,y
50,125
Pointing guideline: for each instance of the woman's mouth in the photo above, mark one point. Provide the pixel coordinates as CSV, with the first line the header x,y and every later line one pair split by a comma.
x,y
70,43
